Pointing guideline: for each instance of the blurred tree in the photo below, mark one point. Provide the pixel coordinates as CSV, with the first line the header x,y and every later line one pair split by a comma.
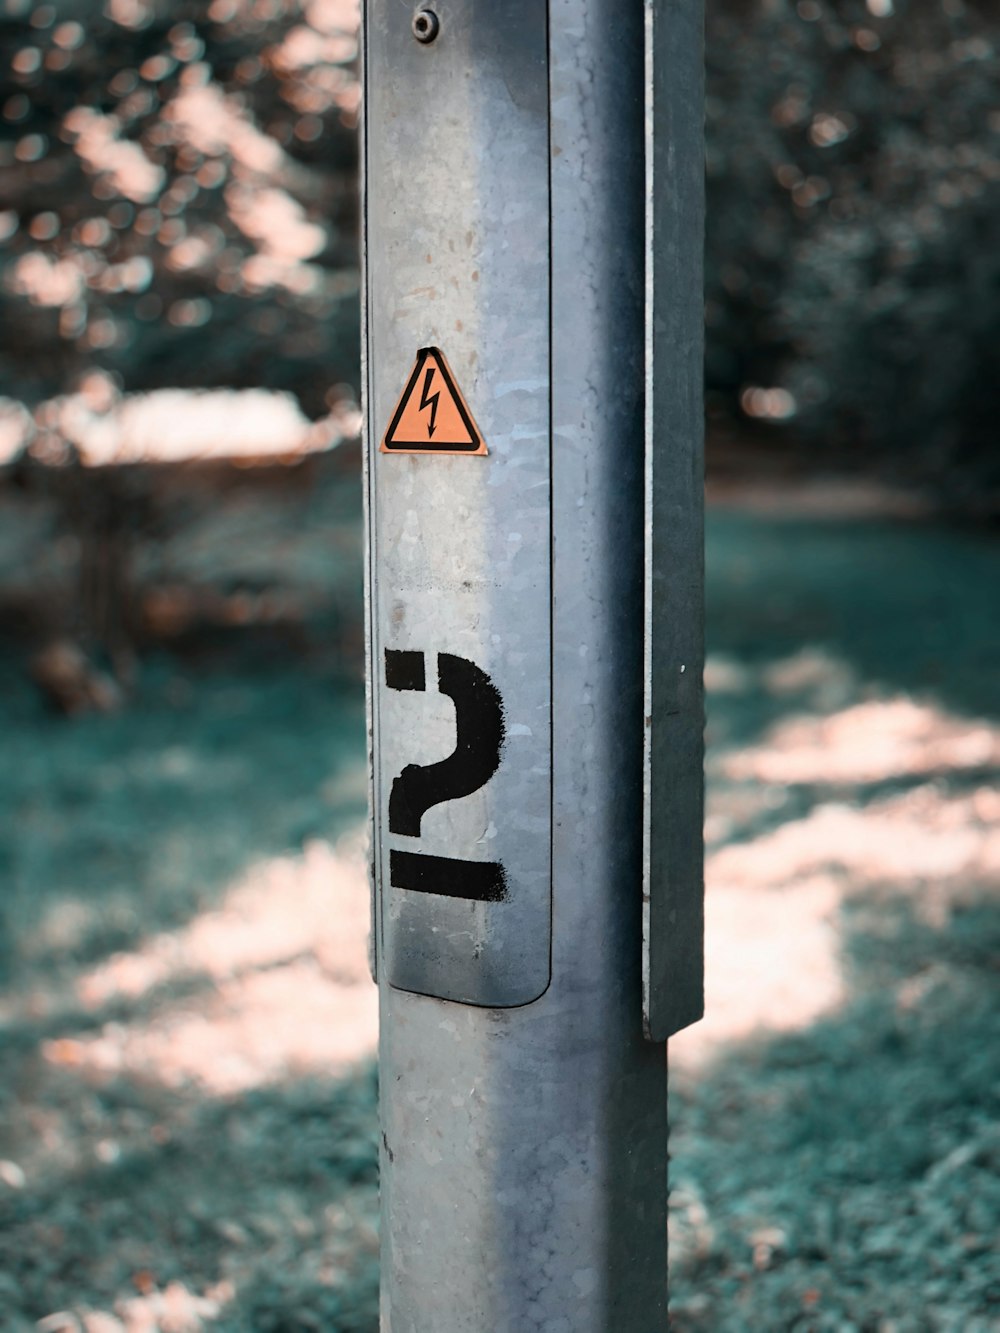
x,y
854,227
178,197
177,208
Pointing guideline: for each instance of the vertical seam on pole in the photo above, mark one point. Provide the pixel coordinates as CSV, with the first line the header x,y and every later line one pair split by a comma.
x,y
552,505
368,497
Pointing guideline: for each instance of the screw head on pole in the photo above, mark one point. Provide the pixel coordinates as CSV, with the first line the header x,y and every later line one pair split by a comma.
x,y
425,25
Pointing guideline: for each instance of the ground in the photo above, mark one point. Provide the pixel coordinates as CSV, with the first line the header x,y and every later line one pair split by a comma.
x,y
187,1030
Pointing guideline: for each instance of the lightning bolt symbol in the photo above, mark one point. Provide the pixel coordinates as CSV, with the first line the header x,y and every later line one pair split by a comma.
x,y
430,400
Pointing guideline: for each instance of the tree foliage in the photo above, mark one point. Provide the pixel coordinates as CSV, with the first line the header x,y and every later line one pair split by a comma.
x,y
178,206
854,224
178,209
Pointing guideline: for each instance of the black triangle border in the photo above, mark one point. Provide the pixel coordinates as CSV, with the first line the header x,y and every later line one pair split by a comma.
x,y
446,447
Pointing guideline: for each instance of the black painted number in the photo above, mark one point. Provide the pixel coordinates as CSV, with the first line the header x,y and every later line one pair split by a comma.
x,y
479,728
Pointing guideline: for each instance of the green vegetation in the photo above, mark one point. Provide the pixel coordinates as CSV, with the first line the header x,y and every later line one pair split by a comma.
x,y
179,207
180,211
854,229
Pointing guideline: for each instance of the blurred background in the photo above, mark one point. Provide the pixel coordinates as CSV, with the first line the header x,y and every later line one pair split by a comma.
x,y
187,1030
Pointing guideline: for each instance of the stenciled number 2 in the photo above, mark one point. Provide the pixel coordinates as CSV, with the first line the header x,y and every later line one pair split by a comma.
x,y
479,727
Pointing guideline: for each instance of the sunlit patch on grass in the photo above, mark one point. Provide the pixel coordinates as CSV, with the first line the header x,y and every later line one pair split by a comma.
x,y
182,425
851,799
873,741
916,839
772,963
175,1309
273,983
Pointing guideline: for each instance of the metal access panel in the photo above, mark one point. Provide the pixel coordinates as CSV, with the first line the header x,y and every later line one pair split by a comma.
x,y
520,414
460,499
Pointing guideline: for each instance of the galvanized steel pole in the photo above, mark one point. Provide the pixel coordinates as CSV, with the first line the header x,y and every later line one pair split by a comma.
x,y
536,935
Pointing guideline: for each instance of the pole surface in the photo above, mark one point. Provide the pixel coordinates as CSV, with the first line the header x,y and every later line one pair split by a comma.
x,y
524,1118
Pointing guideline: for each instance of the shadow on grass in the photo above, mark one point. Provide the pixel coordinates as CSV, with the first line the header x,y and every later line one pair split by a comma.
x,y
911,607
253,1213
838,1178
120,827
846,1176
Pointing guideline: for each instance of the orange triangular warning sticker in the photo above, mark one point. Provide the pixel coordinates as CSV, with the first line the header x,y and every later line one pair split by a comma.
x,y
431,416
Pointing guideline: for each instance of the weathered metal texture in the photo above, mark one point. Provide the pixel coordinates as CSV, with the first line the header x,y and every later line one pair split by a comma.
x,y
524,1147
673,891
458,231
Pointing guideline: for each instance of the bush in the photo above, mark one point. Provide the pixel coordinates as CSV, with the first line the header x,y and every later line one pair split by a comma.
x,y
180,197
853,247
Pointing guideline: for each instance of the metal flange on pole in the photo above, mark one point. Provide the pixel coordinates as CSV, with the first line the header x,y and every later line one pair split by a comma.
x,y
532,294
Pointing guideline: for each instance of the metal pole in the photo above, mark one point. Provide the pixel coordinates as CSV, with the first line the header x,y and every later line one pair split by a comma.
x,y
510,317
